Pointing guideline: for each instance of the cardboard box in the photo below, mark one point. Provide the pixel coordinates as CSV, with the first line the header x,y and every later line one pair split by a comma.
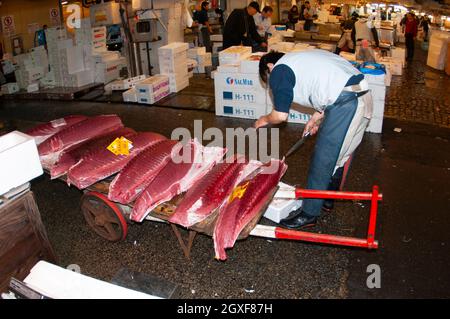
x,y
233,55
204,59
394,65
154,97
178,86
280,208
152,84
130,95
10,88
34,87
251,64
216,37
235,97
127,84
173,48
108,71
229,68
194,52
242,110
232,81
19,160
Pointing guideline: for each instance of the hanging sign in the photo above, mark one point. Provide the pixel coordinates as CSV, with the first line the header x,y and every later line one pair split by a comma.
x,y
8,25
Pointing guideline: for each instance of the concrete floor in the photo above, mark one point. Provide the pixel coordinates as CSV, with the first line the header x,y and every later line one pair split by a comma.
x,y
411,167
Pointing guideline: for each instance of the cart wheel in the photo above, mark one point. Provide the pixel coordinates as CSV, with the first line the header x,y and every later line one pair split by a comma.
x,y
103,216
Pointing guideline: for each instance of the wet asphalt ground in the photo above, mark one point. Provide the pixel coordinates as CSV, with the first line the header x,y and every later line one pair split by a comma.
x,y
412,169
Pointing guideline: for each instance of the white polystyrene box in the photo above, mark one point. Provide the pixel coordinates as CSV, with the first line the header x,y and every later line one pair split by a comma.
x,y
280,208
19,160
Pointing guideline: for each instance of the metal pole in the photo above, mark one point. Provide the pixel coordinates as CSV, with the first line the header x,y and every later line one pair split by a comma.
x,y
61,15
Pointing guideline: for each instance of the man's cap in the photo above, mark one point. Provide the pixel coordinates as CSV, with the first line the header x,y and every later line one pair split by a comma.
x,y
254,5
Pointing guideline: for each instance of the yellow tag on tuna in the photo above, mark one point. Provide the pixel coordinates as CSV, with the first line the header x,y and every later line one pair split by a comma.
x,y
120,146
238,192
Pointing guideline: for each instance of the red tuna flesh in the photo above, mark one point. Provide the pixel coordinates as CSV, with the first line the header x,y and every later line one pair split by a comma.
x,y
42,132
208,193
140,171
101,164
244,203
176,177
74,154
80,132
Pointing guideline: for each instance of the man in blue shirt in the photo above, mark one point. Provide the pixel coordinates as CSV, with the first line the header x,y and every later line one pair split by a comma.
x,y
339,95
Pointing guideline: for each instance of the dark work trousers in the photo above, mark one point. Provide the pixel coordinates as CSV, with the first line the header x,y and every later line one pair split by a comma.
x,y
409,42
308,24
328,146
206,39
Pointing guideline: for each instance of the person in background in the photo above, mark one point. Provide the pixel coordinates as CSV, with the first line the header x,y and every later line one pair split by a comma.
x,y
204,27
340,96
263,21
293,17
240,28
364,32
309,13
410,35
425,25
219,14
302,10
403,22
346,42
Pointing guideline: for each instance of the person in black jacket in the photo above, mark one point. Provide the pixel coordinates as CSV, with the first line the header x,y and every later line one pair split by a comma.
x,y
240,28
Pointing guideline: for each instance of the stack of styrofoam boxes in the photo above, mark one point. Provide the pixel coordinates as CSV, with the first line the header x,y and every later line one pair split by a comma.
x,y
98,35
55,38
152,89
399,54
393,64
126,84
68,61
378,89
217,43
202,57
191,65
10,88
173,63
437,50
107,66
239,94
31,67
73,69
284,47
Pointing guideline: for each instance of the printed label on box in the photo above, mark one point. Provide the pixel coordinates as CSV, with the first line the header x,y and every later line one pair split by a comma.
x,y
239,97
246,112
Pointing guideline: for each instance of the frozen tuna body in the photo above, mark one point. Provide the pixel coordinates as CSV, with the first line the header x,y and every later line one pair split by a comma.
x,y
74,154
176,177
209,192
100,164
140,171
50,149
42,132
245,202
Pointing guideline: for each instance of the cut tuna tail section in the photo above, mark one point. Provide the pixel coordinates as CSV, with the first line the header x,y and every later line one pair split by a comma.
x,y
97,165
176,177
43,131
244,204
79,132
208,193
74,154
141,170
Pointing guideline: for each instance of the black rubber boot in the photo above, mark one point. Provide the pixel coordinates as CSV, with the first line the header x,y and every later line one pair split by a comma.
x,y
298,219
